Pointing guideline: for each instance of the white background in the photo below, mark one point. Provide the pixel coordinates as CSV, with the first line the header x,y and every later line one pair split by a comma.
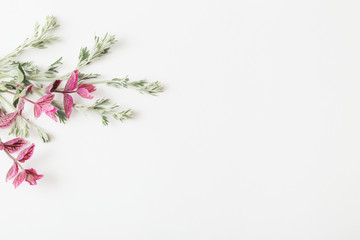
x,y
256,137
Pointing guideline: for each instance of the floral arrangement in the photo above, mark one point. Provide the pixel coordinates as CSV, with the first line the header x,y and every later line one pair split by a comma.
x,y
24,84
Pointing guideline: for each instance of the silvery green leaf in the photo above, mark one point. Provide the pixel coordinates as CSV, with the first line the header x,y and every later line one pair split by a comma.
x,y
21,75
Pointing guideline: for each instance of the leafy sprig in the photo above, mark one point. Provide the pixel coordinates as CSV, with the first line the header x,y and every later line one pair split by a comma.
x,y
100,48
105,109
142,86
40,39
24,83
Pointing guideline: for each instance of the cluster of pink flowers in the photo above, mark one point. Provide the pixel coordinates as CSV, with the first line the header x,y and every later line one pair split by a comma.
x,y
42,105
29,175
71,86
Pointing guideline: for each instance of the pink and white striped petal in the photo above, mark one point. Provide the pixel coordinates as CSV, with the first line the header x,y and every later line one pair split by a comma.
x,y
12,172
19,179
26,153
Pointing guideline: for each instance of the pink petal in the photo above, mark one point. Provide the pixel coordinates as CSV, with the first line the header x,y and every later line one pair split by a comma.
x,y
83,92
89,87
12,172
19,179
68,104
32,176
37,111
33,172
52,116
71,84
49,108
30,179
47,99
14,145
50,111
7,120
52,87
26,153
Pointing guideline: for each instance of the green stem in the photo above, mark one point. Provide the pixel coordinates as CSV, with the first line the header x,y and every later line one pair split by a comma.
x,y
99,82
36,79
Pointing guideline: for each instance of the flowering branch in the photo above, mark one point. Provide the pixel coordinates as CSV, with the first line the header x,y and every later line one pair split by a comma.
x,y
21,80
39,40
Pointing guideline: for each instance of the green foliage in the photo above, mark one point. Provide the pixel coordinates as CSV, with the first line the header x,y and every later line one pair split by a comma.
x,y
40,39
43,135
28,68
142,86
86,76
60,113
19,74
52,69
100,48
20,79
105,109
20,128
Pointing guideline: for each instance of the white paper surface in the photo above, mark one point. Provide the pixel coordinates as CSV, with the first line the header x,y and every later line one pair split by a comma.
x,y
256,136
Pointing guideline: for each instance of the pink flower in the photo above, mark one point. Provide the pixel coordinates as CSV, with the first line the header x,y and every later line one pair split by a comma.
x,y
83,90
32,176
44,105
13,145
29,175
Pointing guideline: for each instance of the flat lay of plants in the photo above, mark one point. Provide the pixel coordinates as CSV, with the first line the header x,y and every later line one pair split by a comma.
x,y
46,92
